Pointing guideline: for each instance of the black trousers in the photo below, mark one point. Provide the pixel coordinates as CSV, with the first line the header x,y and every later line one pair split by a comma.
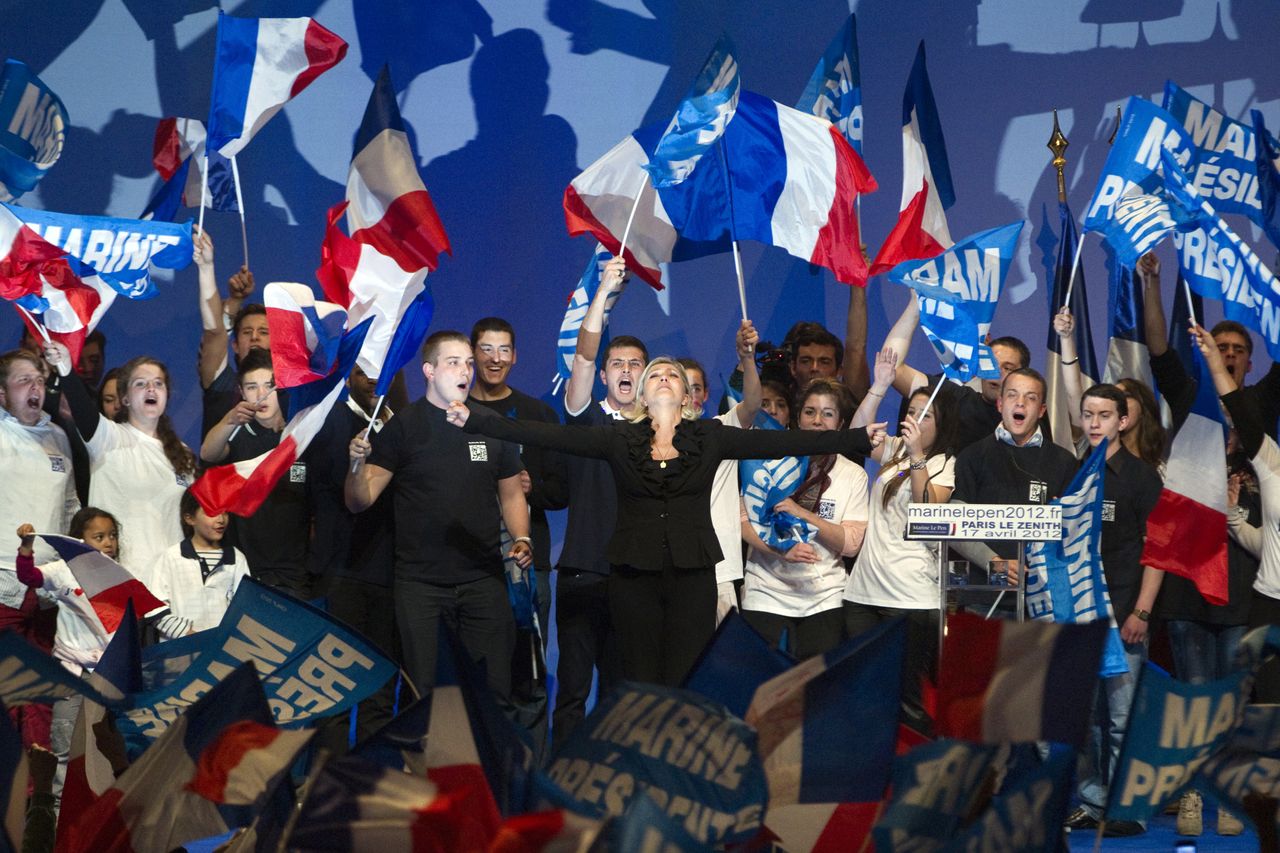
x,y
920,660
478,612
1264,610
807,636
585,633
529,671
663,620
368,608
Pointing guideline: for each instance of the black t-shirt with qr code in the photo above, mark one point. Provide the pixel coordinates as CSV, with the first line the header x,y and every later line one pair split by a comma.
x,y
445,484
274,540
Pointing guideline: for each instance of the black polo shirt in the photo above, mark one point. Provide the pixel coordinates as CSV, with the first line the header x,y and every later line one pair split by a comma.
x,y
593,504
1179,388
354,545
446,496
993,472
222,395
275,538
1131,488
548,476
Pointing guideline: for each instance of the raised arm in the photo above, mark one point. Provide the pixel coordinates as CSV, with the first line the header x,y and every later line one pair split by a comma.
x,y
574,439
1065,325
213,335
1153,319
577,392
84,411
364,482
752,395
885,373
923,490
856,371
906,379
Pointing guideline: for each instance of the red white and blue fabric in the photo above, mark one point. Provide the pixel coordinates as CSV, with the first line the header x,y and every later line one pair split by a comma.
x,y
793,179
305,333
396,238
1187,529
69,305
107,585
830,713
207,773
241,487
259,64
700,120
1015,682
178,156
927,191
23,255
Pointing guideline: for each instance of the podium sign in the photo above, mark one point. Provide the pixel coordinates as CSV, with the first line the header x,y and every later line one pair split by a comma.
x,y
1021,522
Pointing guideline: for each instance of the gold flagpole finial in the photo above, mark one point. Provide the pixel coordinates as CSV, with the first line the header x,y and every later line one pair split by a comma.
x,y
1058,145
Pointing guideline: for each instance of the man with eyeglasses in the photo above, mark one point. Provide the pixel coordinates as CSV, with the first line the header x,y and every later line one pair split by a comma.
x,y
274,539
545,483
582,604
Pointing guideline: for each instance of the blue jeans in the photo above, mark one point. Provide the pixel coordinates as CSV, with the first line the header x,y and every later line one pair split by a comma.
x,y
1203,652
1110,720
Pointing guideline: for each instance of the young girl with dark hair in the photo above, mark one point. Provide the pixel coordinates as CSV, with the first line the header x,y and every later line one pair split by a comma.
x,y
895,576
140,467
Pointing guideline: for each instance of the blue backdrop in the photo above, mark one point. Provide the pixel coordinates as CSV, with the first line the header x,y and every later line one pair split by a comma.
x,y
507,99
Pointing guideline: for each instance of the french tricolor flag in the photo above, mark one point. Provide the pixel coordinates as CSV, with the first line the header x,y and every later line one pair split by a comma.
x,y
259,64
241,487
305,333
208,772
1015,682
106,584
927,191
23,255
72,300
179,151
1187,530
793,178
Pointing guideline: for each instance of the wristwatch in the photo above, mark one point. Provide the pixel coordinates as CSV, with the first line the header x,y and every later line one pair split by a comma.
x,y
1144,615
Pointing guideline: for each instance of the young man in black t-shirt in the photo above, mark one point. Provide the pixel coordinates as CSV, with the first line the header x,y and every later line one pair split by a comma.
x,y
545,483
583,627
1016,464
274,539
1131,488
448,561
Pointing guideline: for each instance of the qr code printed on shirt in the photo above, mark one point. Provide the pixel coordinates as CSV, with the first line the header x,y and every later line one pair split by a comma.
x,y
479,451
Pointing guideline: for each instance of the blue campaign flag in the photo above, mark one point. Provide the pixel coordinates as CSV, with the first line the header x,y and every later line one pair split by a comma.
x,y
119,251
1027,813
579,302
834,90
30,676
830,713
1227,170
645,826
700,120
1249,763
1064,581
399,743
1267,158
765,482
33,129
311,665
1139,222
1174,726
958,291
1133,163
711,777
935,786
734,664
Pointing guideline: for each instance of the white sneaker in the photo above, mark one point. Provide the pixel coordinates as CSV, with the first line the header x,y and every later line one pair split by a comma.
x,y
1190,820
1228,824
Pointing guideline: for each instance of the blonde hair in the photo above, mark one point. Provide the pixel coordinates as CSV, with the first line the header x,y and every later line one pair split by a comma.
x,y
640,409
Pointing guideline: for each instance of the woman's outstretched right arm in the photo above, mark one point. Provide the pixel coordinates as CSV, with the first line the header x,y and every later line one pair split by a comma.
x,y
84,411
574,439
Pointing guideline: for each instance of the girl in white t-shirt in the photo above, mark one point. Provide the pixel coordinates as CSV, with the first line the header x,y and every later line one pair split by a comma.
x,y
139,466
895,576
799,591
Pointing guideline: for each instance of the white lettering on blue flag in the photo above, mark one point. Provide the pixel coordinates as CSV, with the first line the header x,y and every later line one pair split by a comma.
x,y
834,90
1145,130
700,120
765,482
579,302
33,129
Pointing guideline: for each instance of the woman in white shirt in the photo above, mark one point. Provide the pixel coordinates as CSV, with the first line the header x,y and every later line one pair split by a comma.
x,y
140,467
799,590
894,576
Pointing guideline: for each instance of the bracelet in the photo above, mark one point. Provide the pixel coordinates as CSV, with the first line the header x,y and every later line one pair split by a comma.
x,y
525,539
918,466
874,394
1072,361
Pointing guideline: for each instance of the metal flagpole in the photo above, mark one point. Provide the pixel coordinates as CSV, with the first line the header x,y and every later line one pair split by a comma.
x,y
244,235
626,233
44,333
376,408
1075,267
204,187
